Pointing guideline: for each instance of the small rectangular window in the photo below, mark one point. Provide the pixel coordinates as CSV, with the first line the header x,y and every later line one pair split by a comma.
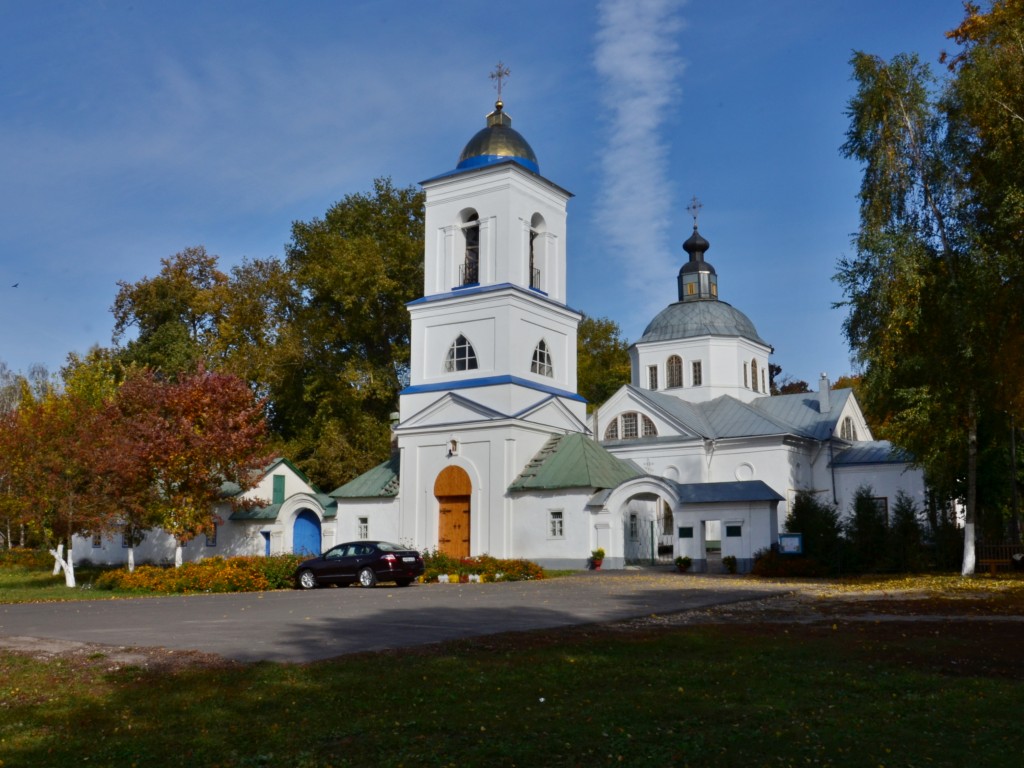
x,y
97,541
652,377
746,376
629,426
211,538
686,532
634,526
278,489
363,528
698,375
733,531
556,524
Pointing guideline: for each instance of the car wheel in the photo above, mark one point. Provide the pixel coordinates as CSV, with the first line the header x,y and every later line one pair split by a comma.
x,y
367,578
307,580
403,582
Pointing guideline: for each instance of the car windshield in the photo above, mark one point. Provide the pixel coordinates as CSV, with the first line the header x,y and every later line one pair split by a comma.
x,y
387,546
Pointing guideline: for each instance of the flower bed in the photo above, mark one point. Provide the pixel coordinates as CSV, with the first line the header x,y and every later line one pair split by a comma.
x,y
486,567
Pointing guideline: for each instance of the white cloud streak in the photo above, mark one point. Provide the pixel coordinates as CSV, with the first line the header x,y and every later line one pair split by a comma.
x,y
637,58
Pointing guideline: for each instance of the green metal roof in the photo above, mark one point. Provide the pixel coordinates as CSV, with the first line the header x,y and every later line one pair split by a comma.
x,y
270,512
382,480
573,461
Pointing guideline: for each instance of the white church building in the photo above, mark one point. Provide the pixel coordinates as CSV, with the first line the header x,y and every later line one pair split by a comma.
x,y
494,450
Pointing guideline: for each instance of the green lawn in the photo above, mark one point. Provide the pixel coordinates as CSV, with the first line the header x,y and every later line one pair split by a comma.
x,y
31,585
772,695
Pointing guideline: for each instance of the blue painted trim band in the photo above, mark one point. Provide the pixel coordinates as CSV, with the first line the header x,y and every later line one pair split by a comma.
x,y
478,161
490,381
471,290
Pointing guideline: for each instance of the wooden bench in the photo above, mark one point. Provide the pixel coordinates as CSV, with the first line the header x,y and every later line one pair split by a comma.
x,y
992,564
995,556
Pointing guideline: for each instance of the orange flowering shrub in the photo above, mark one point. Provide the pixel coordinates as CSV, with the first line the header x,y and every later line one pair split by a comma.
x,y
214,574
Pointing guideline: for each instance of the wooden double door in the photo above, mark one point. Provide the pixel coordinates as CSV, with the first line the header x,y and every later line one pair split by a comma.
x,y
453,490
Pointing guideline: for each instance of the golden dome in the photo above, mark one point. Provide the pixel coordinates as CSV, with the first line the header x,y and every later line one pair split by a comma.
x,y
497,143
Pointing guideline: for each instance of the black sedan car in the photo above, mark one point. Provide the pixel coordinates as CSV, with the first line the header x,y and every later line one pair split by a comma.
x,y
364,561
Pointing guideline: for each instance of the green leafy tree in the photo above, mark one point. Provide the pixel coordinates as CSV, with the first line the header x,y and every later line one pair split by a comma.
x,y
927,291
343,356
602,360
175,315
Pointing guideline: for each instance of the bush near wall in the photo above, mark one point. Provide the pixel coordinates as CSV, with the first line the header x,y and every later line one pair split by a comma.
x,y
489,568
770,563
21,557
213,574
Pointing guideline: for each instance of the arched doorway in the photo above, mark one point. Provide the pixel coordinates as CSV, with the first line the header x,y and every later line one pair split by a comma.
x,y
453,489
306,535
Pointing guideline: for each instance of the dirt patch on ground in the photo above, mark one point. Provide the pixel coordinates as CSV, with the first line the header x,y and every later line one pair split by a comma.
x,y
110,657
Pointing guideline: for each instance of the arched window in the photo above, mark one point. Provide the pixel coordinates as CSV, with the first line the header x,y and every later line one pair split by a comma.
x,y
674,371
753,374
541,362
461,356
632,423
469,272
611,432
848,431
536,227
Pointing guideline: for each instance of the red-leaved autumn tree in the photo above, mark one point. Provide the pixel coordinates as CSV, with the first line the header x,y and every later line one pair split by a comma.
x,y
178,443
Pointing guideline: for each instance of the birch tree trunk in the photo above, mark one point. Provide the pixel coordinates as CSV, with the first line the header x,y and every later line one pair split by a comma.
x,y
972,492
177,555
67,565
131,559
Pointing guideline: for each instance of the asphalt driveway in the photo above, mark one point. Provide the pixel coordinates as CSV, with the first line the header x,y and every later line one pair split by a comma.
x,y
324,623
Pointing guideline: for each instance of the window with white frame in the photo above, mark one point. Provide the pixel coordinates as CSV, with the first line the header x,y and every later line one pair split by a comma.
x,y
556,524
746,376
753,374
652,377
541,362
97,541
764,380
363,528
634,526
697,373
848,430
461,356
633,425
211,537
674,371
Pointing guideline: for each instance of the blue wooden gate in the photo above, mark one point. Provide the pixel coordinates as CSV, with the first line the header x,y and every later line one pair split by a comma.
x,y
306,534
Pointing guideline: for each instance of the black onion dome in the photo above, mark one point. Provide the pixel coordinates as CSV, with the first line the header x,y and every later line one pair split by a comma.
x,y
696,245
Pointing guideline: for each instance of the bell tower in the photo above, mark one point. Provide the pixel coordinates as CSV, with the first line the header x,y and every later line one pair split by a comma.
x,y
493,324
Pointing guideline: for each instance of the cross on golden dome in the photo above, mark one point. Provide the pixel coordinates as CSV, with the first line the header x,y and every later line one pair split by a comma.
x,y
500,73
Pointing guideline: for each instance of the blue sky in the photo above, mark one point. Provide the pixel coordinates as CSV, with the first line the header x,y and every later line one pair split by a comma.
x,y
132,130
